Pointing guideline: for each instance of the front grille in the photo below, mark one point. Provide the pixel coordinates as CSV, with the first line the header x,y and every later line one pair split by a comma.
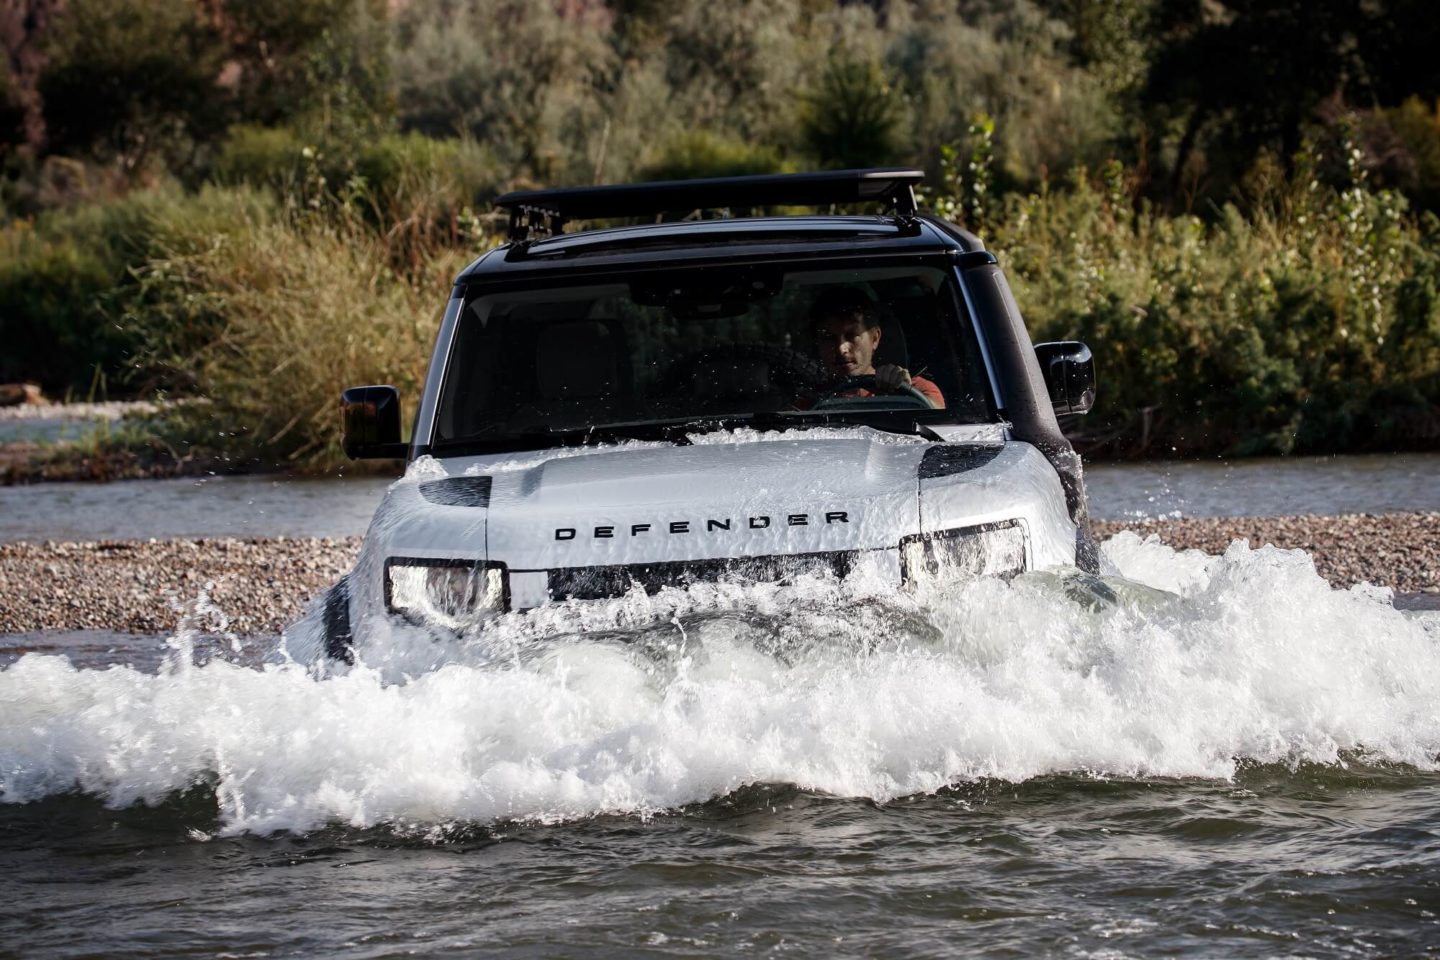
x,y
593,583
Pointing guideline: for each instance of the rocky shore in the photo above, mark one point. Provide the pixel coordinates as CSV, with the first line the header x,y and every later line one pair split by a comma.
x,y
262,584
145,586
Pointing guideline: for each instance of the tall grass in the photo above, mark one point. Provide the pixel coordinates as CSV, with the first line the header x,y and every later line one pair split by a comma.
x,y
263,296
422,193
296,309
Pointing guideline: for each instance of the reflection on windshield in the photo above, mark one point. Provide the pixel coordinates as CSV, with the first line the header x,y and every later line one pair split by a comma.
x,y
752,345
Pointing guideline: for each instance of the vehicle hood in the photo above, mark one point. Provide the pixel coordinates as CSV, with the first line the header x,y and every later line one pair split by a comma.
x,y
649,503
724,497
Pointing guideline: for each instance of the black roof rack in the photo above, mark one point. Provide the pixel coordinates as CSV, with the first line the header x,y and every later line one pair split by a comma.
x,y
542,212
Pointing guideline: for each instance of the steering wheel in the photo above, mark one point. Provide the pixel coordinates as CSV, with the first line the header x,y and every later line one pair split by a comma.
x,y
836,391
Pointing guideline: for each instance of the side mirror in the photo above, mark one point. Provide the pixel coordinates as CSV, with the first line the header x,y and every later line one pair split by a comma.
x,y
370,423
1069,370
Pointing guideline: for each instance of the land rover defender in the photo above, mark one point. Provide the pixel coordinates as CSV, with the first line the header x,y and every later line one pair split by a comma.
x,y
717,394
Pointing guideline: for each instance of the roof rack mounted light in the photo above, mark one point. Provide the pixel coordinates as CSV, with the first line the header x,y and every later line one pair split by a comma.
x,y
545,212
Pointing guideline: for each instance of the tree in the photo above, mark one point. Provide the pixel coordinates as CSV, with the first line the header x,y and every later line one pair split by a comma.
x,y
521,77
12,113
128,79
322,63
1109,38
736,66
1008,60
850,119
1248,75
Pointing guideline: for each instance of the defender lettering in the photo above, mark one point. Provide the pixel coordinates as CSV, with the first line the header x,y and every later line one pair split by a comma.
x,y
712,525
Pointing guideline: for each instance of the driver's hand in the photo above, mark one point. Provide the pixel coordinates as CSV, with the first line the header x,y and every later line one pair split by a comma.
x,y
891,377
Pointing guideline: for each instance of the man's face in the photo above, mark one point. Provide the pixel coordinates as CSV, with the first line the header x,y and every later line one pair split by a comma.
x,y
846,348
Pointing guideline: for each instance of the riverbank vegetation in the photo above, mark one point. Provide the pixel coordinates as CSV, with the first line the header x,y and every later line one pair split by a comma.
x,y
1253,253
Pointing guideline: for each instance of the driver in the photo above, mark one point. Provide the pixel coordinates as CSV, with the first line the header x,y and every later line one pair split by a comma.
x,y
847,333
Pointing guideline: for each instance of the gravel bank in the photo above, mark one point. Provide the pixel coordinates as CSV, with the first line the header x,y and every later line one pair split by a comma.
x,y
262,584
144,586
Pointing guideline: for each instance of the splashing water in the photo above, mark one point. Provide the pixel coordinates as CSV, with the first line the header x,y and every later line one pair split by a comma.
x,y
1172,665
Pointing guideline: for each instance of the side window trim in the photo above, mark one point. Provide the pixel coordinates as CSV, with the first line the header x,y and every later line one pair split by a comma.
x,y
439,367
979,329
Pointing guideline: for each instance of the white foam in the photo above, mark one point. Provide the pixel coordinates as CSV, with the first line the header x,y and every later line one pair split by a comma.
x,y
645,703
427,468
506,462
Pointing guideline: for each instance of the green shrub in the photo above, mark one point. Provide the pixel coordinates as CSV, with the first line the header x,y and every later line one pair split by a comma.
x,y
704,154
1414,165
143,224
50,318
452,174
421,196
420,193
1310,325
68,288
260,157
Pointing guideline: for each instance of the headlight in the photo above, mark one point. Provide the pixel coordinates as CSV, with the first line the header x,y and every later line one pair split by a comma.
x,y
990,550
447,593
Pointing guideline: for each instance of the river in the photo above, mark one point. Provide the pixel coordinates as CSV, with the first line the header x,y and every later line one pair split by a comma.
x,y
1214,757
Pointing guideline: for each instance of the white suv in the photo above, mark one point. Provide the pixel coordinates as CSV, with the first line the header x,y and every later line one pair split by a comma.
x,y
700,399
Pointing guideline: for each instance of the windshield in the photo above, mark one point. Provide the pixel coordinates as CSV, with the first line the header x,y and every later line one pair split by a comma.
x,y
762,345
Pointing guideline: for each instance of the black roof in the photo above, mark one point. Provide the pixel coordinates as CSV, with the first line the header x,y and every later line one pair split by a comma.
x,y
547,211
538,245
706,242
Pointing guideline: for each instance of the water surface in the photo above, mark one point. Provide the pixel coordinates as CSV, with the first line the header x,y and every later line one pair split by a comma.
x,y
240,506
1267,487
1191,757
1315,862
